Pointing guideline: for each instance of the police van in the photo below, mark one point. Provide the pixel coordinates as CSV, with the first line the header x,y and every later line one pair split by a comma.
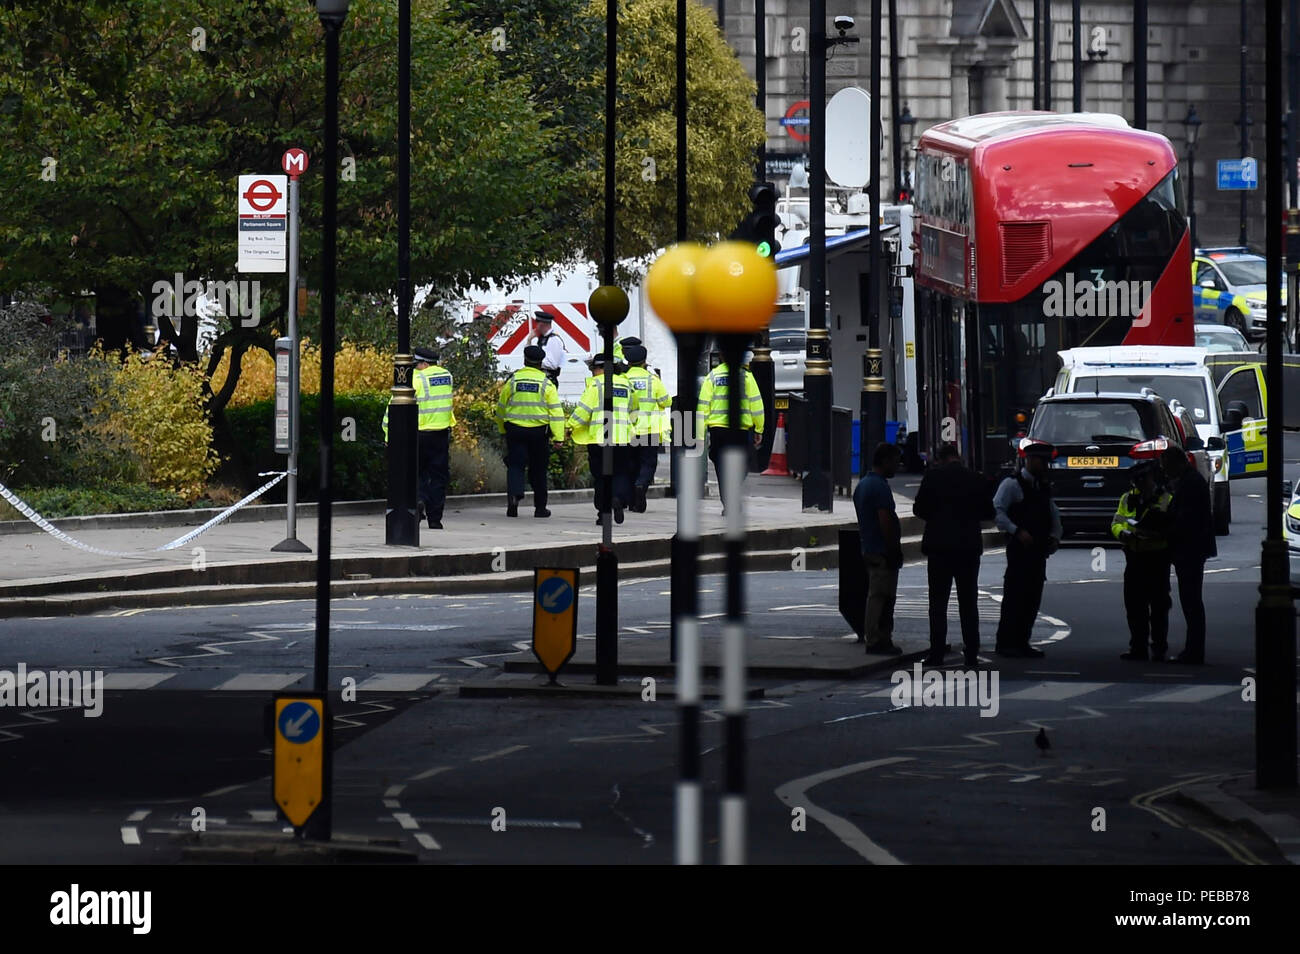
x,y
1177,374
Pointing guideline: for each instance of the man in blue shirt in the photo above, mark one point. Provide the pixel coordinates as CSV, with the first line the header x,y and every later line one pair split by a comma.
x,y
882,548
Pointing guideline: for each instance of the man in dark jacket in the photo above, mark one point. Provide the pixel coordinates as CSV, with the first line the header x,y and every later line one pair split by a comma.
x,y
1191,543
953,500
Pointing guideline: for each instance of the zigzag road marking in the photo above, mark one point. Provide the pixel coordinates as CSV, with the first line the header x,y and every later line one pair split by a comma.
x,y
472,661
33,719
984,739
346,722
649,731
213,649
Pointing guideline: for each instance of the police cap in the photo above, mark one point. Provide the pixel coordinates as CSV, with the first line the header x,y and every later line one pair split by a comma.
x,y
1141,470
1039,449
534,354
634,353
426,354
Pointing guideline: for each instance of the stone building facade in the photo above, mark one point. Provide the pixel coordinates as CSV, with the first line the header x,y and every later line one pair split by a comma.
x,y
958,57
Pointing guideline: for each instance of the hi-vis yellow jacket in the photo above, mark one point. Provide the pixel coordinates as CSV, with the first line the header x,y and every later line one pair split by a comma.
x,y
650,403
1149,522
712,408
588,415
529,399
433,392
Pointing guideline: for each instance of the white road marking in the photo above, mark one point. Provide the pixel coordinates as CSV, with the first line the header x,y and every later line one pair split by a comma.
x,y
262,814
498,753
430,773
1050,672
135,680
406,821
216,792
427,841
139,815
392,803
1056,691
1189,694
130,835
795,794
396,682
270,681
394,791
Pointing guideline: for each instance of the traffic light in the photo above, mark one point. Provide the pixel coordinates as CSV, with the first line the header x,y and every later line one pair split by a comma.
x,y
760,225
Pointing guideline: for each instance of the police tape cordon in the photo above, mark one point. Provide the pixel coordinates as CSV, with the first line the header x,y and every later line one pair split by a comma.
x,y
17,503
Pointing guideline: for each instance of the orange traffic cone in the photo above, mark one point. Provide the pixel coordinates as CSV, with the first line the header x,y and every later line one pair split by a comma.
x,y
776,465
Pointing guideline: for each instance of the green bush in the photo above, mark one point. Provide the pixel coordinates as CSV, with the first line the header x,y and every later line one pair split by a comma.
x,y
86,501
360,464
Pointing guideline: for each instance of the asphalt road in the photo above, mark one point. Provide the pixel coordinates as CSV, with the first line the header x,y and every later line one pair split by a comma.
x,y
592,781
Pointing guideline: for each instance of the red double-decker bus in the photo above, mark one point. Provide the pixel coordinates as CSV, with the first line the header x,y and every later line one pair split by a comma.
x,y
1036,232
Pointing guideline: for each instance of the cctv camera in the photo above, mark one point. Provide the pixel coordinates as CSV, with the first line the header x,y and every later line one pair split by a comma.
x,y
844,24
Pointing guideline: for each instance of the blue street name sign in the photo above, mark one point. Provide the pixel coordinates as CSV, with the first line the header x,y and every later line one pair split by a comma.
x,y
1238,174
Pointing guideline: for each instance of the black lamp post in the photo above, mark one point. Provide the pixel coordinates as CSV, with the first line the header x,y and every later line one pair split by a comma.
x,y
906,128
1275,615
332,13
401,526
1192,125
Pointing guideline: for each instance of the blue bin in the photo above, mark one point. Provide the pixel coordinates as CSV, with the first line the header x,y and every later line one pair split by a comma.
x,y
857,446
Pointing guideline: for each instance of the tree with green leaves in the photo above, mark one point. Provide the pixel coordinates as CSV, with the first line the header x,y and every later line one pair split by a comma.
x,y
131,120
558,47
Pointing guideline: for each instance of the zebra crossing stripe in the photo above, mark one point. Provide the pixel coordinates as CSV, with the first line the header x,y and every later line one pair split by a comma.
x,y
135,680
1055,691
396,682
271,681
1189,694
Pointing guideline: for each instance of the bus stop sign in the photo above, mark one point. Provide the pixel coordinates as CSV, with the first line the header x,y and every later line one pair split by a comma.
x,y
555,616
298,776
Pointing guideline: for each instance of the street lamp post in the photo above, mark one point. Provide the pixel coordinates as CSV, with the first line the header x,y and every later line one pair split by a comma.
x,y
332,13
1275,616
401,524
906,128
871,417
1192,125
608,305
817,368
817,484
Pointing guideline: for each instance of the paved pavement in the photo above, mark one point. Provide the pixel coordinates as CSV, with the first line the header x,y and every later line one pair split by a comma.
x,y
480,550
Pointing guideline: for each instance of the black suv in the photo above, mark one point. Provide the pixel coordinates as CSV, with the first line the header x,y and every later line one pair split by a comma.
x,y
1098,437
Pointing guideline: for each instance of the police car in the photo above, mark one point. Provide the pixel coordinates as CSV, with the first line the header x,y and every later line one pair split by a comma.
x,y
1291,519
1229,287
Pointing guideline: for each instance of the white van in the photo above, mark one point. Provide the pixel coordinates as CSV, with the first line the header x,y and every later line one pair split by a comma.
x,y
1177,374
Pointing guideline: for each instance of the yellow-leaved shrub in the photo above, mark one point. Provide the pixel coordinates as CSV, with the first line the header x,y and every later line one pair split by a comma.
x,y
158,409
357,369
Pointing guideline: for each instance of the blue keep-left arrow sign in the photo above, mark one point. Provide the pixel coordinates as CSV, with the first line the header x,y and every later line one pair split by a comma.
x,y
555,595
299,722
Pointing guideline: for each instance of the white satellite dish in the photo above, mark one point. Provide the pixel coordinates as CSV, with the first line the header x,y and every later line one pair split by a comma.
x,y
848,138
